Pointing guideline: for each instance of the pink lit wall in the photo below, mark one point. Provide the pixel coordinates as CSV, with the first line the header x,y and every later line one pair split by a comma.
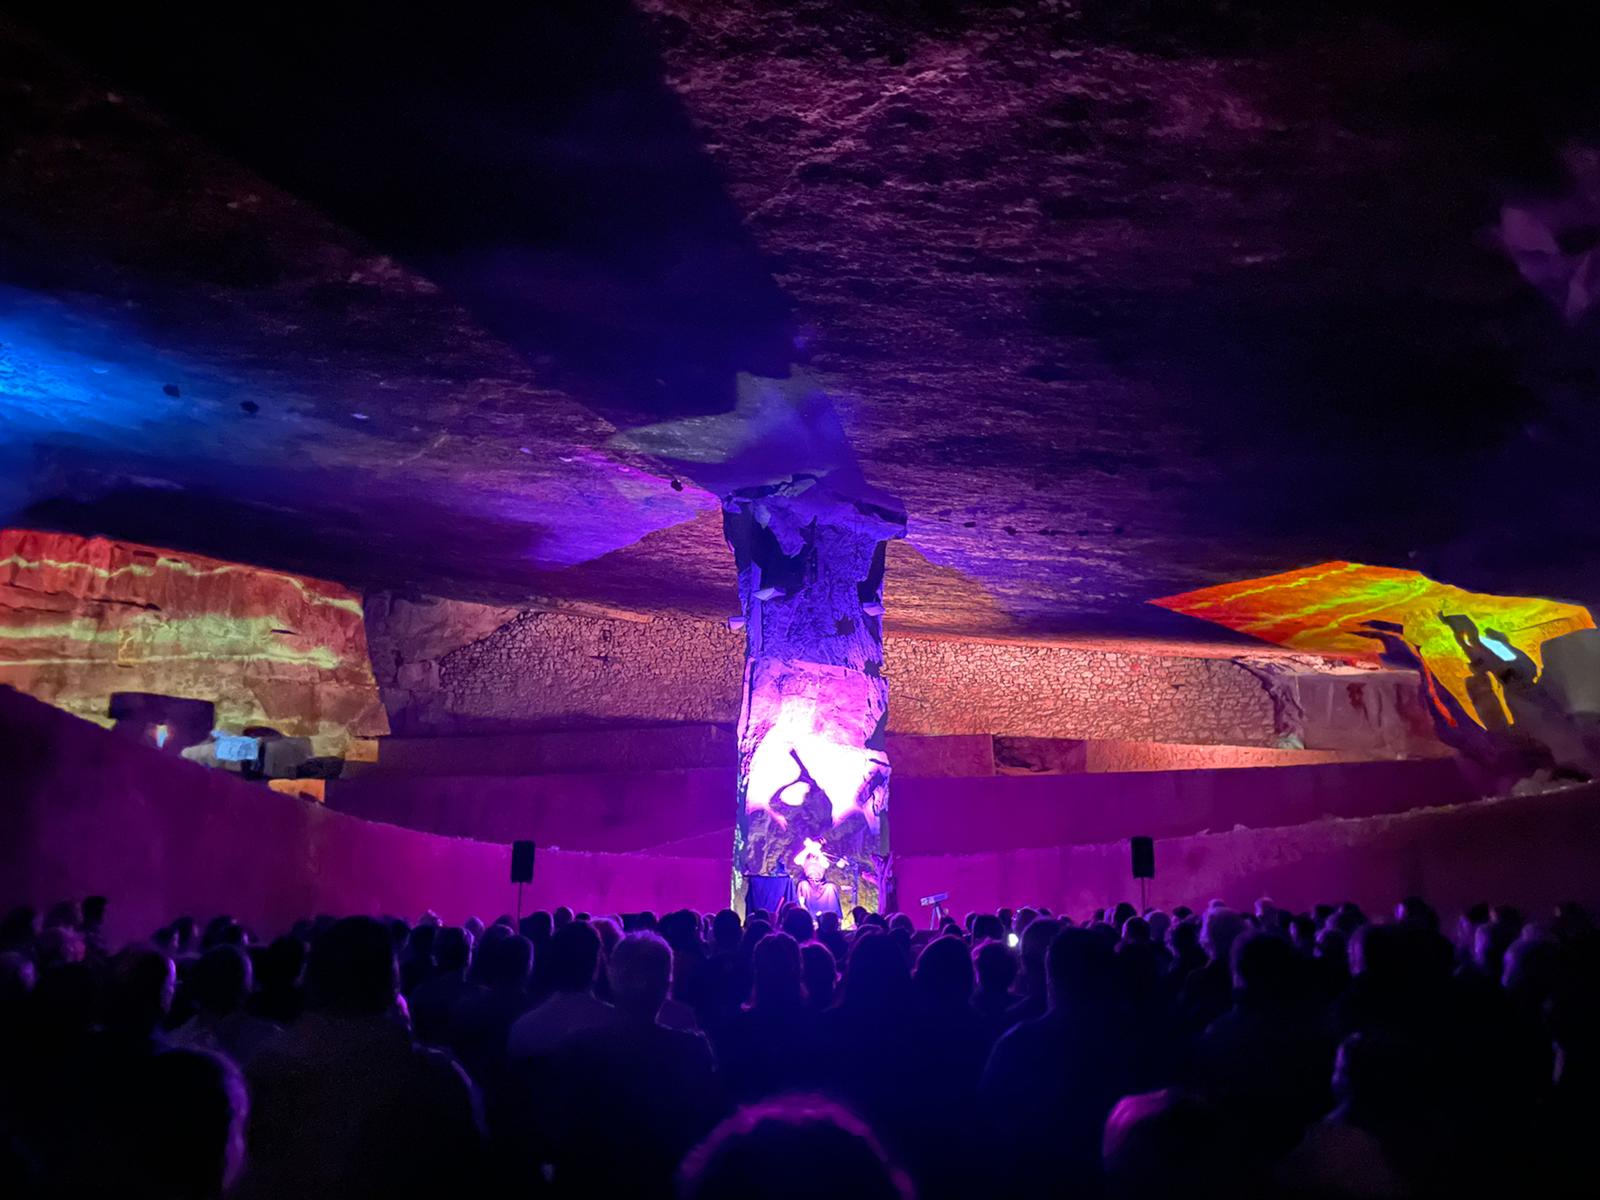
x,y
605,811
87,812
1014,812
1534,851
689,812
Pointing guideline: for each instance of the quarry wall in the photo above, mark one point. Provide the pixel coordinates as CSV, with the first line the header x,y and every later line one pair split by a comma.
x,y
452,667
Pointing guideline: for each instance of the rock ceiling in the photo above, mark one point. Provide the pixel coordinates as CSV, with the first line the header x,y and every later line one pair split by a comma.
x,y
1119,304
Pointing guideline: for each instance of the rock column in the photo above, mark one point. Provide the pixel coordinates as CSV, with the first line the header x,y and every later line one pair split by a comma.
x,y
813,772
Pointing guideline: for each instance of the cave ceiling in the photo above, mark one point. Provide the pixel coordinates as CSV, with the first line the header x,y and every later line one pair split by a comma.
x,y
1120,300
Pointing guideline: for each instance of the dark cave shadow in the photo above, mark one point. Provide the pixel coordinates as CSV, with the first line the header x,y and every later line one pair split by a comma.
x,y
255,531
531,159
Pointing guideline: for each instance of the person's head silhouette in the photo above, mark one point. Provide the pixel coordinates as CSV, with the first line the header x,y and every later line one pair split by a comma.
x,y
640,974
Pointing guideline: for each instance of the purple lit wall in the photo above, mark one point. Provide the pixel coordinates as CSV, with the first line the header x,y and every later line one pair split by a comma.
x,y
88,812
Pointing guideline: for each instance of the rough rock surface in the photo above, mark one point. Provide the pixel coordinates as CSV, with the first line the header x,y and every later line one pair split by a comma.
x,y
84,618
553,667
546,668
1116,292
1122,299
814,706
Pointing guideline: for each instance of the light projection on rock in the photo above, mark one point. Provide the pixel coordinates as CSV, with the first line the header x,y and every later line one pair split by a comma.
x,y
814,776
809,537
1467,641
114,632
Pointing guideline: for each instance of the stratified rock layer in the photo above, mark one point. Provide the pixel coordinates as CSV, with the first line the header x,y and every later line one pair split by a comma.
x,y
84,618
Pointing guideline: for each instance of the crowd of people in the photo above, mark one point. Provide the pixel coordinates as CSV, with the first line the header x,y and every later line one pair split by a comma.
x,y
1270,1052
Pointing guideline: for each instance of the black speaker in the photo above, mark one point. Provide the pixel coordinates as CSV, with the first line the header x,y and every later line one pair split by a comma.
x,y
522,862
1144,858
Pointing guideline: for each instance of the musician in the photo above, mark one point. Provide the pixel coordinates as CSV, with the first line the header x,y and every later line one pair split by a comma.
x,y
816,894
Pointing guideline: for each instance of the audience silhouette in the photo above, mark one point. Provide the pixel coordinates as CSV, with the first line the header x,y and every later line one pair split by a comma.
x,y
1265,1052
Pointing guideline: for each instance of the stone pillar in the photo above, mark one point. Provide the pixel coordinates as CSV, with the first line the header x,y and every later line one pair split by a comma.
x,y
813,771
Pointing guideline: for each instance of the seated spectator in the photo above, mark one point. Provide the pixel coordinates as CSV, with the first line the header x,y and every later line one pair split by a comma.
x,y
218,986
953,1046
183,1136
987,927
820,972
995,966
1414,910
1142,964
280,995
1032,986
872,1047
143,981
1158,923
798,924
780,1149
656,1083
681,931
1163,1144
416,959
342,1105
481,1020
725,930
1208,991
1052,1080
1183,944
433,1000
1360,1147
1268,1059
572,1008
771,1045
831,934
726,983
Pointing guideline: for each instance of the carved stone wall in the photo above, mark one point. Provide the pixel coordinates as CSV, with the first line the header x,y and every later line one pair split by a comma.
x,y
454,667
448,666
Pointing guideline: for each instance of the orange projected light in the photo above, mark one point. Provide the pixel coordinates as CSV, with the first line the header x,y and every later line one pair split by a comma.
x,y
82,619
1326,608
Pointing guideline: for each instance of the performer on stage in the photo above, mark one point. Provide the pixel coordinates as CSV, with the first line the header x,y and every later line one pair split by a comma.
x,y
816,894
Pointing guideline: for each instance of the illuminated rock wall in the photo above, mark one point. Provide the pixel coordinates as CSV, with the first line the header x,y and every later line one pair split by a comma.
x,y
1343,607
451,667
448,666
1481,657
945,685
84,618
813,788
